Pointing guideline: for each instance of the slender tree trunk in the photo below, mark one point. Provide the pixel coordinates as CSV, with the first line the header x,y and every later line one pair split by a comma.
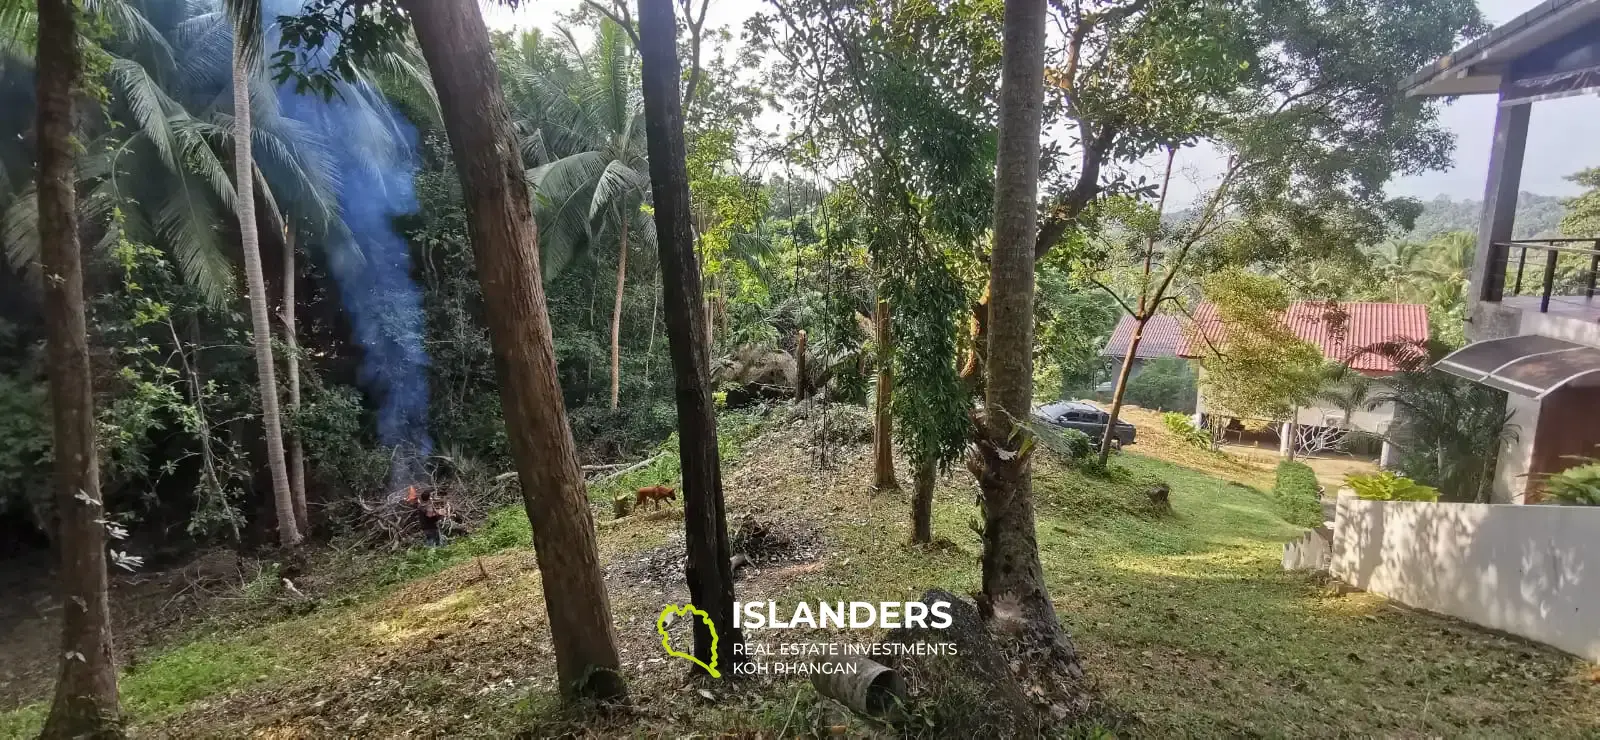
x,y
922,501
711,319
1012,574
616,317
883,418
291,340
85,702
505,246
1147,305
260,326
650,347
800,372
1122,386
709,571
978,357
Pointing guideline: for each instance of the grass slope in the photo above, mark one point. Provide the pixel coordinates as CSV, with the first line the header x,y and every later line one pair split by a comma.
x,y
1185,620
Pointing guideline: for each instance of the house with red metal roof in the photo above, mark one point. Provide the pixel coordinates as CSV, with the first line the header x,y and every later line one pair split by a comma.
x,y
1346,332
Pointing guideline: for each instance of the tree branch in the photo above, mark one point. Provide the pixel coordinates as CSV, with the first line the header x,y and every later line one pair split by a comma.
x,y
1095,151
1124,304
696,25
619,15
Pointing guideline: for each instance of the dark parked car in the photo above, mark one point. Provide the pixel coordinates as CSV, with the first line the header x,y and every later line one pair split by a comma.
x,y
1085,418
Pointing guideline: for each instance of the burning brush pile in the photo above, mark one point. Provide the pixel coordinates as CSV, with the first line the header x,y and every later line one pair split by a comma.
x,y
431,495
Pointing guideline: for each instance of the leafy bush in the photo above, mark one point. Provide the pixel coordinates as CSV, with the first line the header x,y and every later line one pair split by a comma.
x,y
1296,492
1166,384
1448,430
1071,444
1386,486
25,456
1184,429
1578,485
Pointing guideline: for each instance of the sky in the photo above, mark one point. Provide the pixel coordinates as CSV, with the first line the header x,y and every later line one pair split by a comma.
x,y
1561,137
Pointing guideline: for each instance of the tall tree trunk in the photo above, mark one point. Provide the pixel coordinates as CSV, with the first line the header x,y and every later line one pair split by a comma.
x,y
1122,386
260,326
709,570
505,247
291,340
1012,574
883,419
85,702
924,476
616,317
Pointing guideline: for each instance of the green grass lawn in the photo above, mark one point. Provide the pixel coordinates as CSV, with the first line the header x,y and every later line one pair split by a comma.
x,y
1190,622
1185,620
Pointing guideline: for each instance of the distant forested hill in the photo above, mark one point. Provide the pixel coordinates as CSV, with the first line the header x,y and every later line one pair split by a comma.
x,y
1537,215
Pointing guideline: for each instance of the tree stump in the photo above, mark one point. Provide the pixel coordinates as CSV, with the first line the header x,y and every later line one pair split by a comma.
x,y
971,693
1160,497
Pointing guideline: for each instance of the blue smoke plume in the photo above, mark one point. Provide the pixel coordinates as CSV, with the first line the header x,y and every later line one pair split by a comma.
x,y
374,154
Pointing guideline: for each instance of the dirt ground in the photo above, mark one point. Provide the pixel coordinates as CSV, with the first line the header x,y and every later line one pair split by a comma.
x,y
1250,464
1330,469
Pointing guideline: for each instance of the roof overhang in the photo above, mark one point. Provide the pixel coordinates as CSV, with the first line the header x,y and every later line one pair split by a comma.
x,y
1477,67
1528,365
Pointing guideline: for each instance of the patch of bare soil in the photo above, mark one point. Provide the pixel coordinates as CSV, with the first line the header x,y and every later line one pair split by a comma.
x,y
146,608
214,590
755,544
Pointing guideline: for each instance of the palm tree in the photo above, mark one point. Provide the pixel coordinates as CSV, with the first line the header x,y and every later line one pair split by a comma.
x,y
584,108
246,54
1449,431
1346,390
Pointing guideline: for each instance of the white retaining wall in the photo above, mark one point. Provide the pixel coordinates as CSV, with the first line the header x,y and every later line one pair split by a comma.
x,y
1532,571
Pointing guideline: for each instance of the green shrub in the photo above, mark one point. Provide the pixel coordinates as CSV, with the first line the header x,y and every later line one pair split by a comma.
x,y
1296,494
1386,486
1184,429
1167,384
1579,485
1071,444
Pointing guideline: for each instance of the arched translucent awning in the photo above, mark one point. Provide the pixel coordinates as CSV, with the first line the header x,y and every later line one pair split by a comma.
x,y
1528,365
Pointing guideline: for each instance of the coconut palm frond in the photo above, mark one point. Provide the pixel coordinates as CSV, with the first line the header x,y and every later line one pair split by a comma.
x,y
531,142
150,107
569,177
189,226
19,28
132,27
245,17
406,69
197,139
19,230
618,187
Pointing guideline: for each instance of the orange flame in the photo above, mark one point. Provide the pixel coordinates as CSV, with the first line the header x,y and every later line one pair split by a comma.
x,y
411,494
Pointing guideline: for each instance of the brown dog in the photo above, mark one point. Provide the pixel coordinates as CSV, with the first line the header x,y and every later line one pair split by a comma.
x,y
654,494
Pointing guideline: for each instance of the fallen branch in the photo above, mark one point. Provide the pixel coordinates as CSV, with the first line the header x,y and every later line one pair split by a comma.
x,y
625,469
650,517
629,469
